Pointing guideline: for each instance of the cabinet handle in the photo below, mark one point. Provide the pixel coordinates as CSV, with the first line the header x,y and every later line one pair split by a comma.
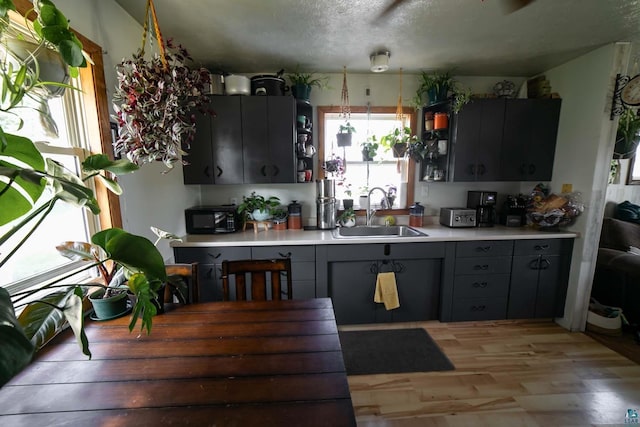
x,y
481,267
374,268
544,264
216,256
219,171
541,247
287,255
478,307
534,264
263,170
276,170
207,173
480,284
209,274
532,169
483,248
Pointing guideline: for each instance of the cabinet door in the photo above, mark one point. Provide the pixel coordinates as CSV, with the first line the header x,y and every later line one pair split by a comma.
x,y
226,134
268,135
530,132
303,266
477,141
351,287
199,169
523,288
282,138
418,283
550,282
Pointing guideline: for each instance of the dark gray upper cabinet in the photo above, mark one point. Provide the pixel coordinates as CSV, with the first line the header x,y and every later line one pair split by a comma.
x,y
268,135
249,139
529,139
215,156
477,139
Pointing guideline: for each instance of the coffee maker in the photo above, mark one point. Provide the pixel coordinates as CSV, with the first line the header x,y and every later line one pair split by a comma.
x,y
484,202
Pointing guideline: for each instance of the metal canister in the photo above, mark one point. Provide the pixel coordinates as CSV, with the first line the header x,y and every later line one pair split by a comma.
x,y
416,214
294,221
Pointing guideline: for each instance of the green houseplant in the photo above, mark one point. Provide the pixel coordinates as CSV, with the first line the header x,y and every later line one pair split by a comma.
x,y
344,134
302,83
347,218
257,207
398,141
435,87
627,134
369,148
33,185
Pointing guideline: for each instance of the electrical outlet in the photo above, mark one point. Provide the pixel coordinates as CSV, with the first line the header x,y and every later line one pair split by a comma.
x,y
367,92
233,200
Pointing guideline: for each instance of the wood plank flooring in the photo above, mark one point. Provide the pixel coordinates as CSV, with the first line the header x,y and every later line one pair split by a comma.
x,y
508,373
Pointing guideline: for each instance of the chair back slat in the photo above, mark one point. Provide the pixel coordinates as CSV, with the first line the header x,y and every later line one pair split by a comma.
x,y
189,275
257,270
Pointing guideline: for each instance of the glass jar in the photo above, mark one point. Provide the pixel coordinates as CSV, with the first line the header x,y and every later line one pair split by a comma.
x,y
416,213
440,121
294,221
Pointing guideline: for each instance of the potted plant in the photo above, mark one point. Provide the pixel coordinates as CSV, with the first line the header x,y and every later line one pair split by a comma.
x,y
30,188
150,89
435,87
347,202
417,150
302,83
627,135
369,148
279,217
344,134
398,141
257,207
347,218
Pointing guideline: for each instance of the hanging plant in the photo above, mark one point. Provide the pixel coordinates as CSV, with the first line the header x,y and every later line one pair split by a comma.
x,y
154,100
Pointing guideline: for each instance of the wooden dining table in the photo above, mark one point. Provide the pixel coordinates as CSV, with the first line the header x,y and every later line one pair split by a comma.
x,y
266,363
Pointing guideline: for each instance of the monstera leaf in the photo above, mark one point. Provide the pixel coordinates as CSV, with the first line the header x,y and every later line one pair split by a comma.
x,y
16,350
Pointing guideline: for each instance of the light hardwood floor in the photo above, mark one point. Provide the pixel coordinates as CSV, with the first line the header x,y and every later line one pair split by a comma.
x,y
508,373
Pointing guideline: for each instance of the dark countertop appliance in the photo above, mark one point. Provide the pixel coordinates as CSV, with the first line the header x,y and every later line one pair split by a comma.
x,y
514,211
484,202
212,219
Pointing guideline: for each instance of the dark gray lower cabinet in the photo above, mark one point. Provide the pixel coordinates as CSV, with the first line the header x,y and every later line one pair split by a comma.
x,y
303,266
352,272
539,278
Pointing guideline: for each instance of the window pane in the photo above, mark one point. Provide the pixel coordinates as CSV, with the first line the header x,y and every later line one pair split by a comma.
x,y
384,171
39,254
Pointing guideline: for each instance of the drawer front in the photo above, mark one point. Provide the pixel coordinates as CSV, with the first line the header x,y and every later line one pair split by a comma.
x,y
484,265
379,251
211,255
303,271
542,246
482,286
484,248
296,253
479,309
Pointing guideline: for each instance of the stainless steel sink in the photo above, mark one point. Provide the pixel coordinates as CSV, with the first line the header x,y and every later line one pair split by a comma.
x,y
376,231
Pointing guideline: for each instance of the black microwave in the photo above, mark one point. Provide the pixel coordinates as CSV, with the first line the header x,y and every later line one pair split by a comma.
x,y
212,219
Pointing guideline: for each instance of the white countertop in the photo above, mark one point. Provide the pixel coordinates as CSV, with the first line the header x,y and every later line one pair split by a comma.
x,y
435,233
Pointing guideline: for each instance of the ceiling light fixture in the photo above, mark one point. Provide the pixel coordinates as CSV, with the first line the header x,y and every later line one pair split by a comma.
x,y
380,61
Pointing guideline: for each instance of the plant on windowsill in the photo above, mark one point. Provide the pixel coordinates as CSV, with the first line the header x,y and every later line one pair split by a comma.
x,y
344,135
302,83
256,207
31,187
347,218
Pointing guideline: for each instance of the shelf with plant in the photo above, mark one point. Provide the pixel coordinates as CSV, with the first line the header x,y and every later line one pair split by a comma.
x,y
302,83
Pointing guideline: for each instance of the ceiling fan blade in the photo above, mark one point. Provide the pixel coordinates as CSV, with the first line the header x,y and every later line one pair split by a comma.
x,y
390,8
510,6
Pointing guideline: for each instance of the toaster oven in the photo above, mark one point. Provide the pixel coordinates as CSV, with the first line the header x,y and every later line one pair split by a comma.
x,y
211,219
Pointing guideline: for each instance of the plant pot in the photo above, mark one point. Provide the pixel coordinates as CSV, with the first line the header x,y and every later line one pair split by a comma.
x,y
347,203
344,139
280,224
436,96
363,201
301,91
399,149
109,308
260,215
366,157
351,222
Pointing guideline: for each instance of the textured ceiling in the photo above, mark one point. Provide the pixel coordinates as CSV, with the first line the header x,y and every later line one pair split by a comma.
x,y
471,37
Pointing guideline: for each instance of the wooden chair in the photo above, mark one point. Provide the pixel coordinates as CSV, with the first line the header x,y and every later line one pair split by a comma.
x,y
258,270
183,274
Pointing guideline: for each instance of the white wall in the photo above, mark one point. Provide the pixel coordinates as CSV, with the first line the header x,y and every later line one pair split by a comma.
x,y
150,198
583,155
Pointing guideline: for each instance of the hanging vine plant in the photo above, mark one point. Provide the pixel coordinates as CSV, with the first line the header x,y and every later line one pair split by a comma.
x,y
154,99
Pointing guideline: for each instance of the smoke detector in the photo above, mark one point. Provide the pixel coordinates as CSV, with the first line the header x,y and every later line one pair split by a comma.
x,y
380,61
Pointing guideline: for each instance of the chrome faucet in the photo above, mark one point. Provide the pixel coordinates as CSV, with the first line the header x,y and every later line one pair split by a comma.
x,y
371,212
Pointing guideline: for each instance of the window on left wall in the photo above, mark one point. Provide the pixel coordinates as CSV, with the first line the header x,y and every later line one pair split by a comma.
x,y
80,128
